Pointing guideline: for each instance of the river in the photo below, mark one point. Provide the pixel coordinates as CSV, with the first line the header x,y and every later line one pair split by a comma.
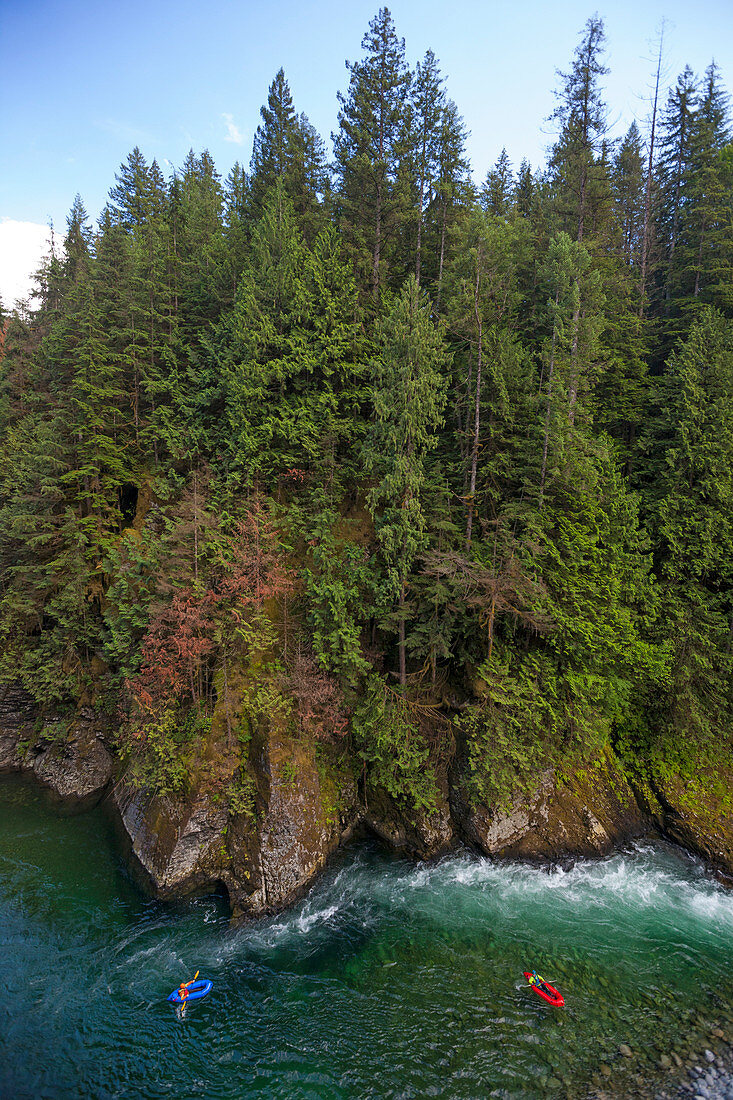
x,y
390,979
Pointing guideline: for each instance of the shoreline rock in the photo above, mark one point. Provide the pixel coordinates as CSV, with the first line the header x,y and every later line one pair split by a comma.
x,y
70,758
268,855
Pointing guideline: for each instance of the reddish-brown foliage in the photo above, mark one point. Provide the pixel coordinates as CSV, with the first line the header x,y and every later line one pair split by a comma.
x,y
254,570
321,709
177,641
192,633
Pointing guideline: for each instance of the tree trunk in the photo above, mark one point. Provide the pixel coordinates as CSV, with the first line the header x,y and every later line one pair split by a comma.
x,y
377,243
675,220
442,254
401,637
699,259
195,531
226,703
420,212
581,214
573,388
477,407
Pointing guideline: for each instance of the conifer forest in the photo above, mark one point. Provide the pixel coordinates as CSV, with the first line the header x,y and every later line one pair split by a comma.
x,y
409,464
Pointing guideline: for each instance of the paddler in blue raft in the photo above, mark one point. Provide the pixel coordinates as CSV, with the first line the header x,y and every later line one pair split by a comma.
x,y
190,991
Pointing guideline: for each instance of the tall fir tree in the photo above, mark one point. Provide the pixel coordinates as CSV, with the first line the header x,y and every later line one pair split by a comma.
x,y
409,392
367,150
577,163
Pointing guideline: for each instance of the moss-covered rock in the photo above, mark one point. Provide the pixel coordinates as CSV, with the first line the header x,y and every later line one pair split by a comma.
x,y
583,813
69,755
696,810
265,855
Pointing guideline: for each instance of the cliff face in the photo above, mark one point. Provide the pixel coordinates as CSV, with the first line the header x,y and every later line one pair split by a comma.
x,y
584,814
264,857
305,803
697,812
71,758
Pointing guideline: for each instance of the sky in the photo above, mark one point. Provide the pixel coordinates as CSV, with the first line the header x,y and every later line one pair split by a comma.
x,y
83,82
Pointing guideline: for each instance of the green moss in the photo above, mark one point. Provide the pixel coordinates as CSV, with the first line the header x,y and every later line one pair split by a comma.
x,y
241,794
333,777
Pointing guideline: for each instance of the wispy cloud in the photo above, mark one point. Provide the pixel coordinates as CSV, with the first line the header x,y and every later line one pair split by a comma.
x,y
22,247
233,133
132,135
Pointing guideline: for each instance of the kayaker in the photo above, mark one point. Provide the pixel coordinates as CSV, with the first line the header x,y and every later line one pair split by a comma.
x,y
537,980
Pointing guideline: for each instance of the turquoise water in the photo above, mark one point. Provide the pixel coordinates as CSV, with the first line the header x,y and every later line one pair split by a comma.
x,y
388,980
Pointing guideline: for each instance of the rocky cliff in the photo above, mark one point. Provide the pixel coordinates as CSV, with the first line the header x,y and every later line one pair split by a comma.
x,y
306,801
69,756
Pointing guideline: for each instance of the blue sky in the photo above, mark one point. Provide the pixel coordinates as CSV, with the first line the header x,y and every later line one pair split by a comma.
x,y
82,82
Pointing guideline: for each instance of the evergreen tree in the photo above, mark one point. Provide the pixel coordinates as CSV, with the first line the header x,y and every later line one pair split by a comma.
x,y
274,141
628,188
78,240
674,156
498,187
705,221
524,189
288,148
237,215
409,398
452,192
131,199
290,353
578,168
694,528
482,296
428,100
367,149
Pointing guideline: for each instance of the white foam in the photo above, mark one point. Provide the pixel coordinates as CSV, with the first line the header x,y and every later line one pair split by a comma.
x,y
306,921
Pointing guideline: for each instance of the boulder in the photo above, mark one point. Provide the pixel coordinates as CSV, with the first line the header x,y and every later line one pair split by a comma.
x,y
298,826
698,813
176,844
416,832
70,757
584,814
264,859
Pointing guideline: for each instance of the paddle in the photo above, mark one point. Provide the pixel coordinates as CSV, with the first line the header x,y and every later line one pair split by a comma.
x,y
185,985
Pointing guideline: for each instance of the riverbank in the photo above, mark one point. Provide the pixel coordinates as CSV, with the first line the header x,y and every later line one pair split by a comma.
x,y
264,838
389,978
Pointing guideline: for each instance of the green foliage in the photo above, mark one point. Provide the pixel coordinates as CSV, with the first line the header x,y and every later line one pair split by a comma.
x,y
289,773
131,563
339,589
159,753
450,476
389,740
290,352
695,528
509,733
409,397
241,794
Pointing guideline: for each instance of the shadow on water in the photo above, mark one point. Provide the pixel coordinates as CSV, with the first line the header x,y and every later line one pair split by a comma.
x,y
389,979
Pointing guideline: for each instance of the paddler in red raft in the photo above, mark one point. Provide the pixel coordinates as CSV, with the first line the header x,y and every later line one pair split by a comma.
x,y
543,988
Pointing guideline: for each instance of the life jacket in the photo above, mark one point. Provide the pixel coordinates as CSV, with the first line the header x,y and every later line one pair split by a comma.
x,y
183,992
